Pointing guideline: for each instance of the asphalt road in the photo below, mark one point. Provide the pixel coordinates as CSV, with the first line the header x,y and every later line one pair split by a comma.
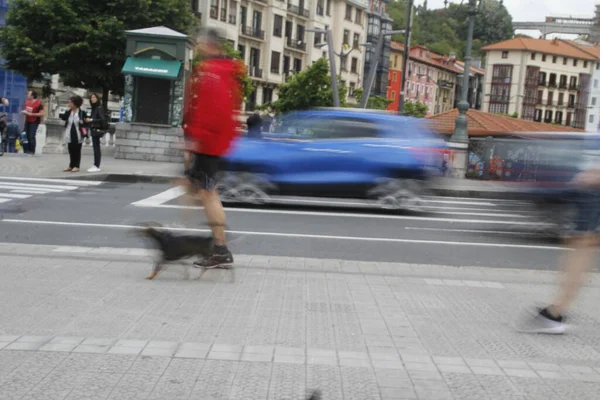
x,y
455,232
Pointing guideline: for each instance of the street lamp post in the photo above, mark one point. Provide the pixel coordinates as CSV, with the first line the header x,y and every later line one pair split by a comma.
x,y
404,74
374,64
332,68
459,141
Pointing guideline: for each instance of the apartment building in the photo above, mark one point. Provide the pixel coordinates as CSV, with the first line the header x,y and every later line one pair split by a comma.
x,y
431,79
395,75
272,38
592,123
540,80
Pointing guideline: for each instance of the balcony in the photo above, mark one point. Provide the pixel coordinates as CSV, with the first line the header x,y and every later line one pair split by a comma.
x,y
550,103
274,70
552,85
446,84
571,105
542,83
255,72
574,87
563,85
295,44
301,12
232,19
252,32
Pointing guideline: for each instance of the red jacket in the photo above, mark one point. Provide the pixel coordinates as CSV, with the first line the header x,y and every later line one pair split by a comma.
x,y
211,105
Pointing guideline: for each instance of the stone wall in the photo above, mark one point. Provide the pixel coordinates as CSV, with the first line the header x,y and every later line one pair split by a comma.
x,y
55,136
149,142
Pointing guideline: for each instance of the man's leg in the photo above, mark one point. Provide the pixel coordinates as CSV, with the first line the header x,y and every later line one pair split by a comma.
x,y
213,209
31,133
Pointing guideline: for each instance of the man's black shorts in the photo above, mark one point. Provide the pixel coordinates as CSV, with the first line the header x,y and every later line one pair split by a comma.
x,y
203,171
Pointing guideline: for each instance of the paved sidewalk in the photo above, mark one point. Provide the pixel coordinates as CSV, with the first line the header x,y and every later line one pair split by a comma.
x,y
83,323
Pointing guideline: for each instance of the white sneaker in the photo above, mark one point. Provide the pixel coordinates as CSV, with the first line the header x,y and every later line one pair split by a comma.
x,y
94,169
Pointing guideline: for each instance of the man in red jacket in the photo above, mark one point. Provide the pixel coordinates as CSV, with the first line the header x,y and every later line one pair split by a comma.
x,y
209,125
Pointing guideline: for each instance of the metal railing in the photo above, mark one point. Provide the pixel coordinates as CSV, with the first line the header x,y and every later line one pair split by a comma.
x,y
232,19
255,72
302,12
252,32
295,44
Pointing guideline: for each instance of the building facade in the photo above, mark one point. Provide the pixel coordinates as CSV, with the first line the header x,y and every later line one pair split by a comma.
x,y
431,80
274,41
395,75
539,80
378,20
476,84
592,122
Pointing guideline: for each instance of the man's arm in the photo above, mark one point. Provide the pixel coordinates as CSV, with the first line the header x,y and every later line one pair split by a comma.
x,y
40,112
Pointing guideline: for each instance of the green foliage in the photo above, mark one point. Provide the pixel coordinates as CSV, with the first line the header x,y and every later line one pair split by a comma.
x,y
374,102
416,109
83,40
307,89
444,30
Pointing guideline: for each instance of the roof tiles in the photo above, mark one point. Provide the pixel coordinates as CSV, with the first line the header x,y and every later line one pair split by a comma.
x,y
554,47
486,124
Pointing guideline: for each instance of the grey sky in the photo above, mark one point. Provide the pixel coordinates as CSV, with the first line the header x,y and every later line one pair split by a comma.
x,y
537,10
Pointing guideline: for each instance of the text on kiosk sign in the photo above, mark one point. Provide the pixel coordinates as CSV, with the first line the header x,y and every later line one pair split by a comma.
x,y
155,70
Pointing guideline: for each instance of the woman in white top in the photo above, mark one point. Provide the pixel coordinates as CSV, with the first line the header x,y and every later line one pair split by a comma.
x,y
75,131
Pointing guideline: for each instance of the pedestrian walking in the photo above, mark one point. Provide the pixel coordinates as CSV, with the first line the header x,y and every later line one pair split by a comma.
x,y
34,111
210,122
97,126
579,256
75,131
255,124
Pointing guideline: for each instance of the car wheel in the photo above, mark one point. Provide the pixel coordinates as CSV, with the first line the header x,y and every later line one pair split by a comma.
x,y
243,187
400,194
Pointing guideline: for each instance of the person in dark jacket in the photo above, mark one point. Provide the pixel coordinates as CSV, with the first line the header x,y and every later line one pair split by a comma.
x,y
96,123
75,131
210,127
254,123
12,134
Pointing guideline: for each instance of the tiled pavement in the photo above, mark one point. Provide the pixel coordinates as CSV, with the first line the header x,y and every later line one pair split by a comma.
x,y
79,323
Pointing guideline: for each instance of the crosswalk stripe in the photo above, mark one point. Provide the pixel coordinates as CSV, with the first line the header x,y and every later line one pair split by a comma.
x,y
4,200
42,190
35,185
31,191
14,196
62,181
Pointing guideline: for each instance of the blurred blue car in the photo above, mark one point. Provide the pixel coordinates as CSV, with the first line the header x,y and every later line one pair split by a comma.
x,y
336,153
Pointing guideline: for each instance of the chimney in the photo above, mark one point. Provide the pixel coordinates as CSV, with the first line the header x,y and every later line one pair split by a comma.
x,y
452,55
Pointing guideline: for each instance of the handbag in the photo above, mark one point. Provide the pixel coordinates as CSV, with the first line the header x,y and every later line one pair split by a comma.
x,y
83,131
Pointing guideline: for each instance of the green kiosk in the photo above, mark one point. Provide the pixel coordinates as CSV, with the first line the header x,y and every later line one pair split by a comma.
x,y
158,61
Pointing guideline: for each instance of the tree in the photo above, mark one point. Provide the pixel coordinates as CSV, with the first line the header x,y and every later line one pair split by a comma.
x,y
374,102
83,40
416,109
307,89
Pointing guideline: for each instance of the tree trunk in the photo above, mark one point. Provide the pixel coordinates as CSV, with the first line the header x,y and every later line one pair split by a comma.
x,y
105,99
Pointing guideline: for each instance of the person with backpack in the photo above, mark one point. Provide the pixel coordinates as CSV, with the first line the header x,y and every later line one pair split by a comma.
x,y
98,125
34,111
75,131
12,134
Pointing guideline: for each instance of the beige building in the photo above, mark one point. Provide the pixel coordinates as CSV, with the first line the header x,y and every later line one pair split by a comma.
x,y
540,80
272,37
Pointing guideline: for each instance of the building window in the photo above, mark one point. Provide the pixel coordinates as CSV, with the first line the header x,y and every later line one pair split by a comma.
x,y
505,54
591,119
575,62
348,12
394,77
533,56
356,41
558,117
565,60
275,61
548,116
550,98
554,58
242,51
538,116
585,64
351,89
297,65
358,16
598,66
593,101
214,9
328,8
543,57
561,99
278,26
346,40
595,83
267,95
320,7
354,65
